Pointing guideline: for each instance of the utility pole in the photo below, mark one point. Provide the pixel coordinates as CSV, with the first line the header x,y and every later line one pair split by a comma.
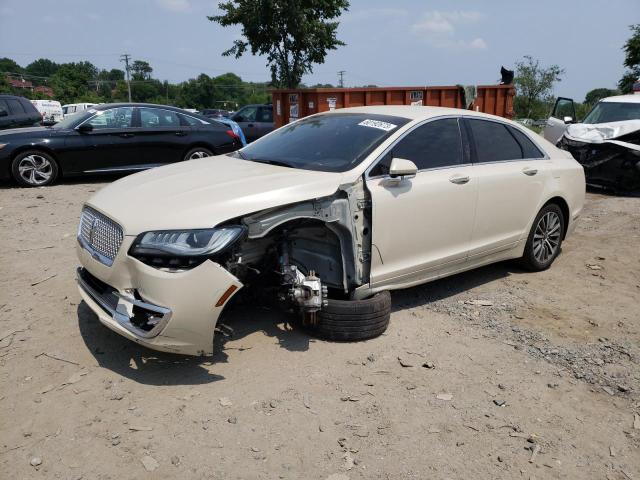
x,y
125,58
341,75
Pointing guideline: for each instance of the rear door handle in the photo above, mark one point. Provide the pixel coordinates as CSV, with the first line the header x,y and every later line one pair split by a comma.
x,y
529,171
126,135
181,134
250,125
459,179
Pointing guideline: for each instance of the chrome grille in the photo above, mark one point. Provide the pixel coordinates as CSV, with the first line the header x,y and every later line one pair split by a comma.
x,y
99,235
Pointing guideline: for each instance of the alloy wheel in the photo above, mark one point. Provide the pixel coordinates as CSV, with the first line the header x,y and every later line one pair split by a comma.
x,y
546,238
199,154
35,169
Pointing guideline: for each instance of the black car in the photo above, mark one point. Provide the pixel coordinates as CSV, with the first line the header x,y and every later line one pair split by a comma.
x,y
17,112
121,137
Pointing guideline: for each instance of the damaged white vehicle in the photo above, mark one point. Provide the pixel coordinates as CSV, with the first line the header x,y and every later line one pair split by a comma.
x,y
606,142
324,215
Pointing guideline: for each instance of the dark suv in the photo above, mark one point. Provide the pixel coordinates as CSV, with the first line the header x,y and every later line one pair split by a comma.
x,y
254,120
17,112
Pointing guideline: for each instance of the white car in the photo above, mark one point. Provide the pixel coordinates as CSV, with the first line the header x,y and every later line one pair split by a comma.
x,y
51,111
326,215
72,108
606,142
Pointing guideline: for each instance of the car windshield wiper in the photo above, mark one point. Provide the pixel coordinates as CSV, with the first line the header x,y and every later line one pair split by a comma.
x,y
272,162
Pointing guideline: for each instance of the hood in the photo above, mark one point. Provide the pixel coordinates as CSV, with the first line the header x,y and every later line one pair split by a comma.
x,y
601,132
205,192
27,132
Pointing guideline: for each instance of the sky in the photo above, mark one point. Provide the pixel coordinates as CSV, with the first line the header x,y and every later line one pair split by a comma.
x,y
389,43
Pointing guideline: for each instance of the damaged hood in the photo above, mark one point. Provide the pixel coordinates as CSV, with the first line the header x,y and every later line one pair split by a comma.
x,y
205,192
603,132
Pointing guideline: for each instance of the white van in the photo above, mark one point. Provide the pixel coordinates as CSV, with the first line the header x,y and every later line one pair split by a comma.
x,y
51,111
72,108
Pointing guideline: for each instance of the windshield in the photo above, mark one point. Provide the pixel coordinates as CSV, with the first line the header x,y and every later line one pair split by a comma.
x,y
71,121
605,112
328,143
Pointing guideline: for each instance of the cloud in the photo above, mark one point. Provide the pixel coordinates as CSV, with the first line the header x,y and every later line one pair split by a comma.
x,y
175,5
371,13
440,29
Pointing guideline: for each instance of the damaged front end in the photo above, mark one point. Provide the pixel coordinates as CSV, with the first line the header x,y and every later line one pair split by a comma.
x,y
609,161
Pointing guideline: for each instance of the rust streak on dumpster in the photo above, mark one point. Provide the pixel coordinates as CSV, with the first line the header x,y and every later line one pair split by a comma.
x,y
291,104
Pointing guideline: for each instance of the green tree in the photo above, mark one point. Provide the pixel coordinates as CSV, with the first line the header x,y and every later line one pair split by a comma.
x,y
534,86
631,60
9,65
72,80
43,67
293,35
597,94
141,70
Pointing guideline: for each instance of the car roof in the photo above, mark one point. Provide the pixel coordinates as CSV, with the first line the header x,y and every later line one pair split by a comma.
x,y
105,106
415,112
623,99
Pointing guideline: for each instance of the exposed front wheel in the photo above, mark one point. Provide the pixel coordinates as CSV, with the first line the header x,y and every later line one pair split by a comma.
x,y
34,168
198,152
545,239
352,320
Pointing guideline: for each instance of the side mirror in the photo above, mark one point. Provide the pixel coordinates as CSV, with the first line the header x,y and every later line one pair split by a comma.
x,y
85,128
3,112
402,169
568,119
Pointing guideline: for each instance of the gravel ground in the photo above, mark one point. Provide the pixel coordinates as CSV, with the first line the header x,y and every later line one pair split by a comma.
x,y
494,373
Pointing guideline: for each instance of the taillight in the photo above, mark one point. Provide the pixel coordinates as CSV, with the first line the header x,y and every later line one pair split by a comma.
x,y
232,134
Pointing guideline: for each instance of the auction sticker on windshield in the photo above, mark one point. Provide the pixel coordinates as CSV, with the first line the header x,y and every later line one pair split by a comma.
x,y
387,127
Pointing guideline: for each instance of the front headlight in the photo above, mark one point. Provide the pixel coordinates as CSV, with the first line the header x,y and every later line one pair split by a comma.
x,y
184,248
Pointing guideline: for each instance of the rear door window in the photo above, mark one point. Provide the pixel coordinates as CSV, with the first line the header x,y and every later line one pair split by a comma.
x,y
494,142
266,115
158,118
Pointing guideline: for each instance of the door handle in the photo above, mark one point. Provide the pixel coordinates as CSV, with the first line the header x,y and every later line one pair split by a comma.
x,y
180,134
529,171
250,125
459,179
126,135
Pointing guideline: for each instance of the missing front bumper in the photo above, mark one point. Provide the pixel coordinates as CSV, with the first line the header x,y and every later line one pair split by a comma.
x,y
143,319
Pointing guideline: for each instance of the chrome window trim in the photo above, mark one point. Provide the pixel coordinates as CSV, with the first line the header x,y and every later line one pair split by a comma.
x,y
186,114
403,135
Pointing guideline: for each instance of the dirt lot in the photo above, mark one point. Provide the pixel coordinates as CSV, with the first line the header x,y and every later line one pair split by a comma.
x,y
560,348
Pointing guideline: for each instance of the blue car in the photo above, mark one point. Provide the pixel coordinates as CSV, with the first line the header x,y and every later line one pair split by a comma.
x,y
234,127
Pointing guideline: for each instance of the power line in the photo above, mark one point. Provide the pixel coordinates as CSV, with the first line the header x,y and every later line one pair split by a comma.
x,y
125,58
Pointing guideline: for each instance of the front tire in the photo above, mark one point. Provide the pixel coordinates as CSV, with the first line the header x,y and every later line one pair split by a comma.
x,y
545,239
34,168
198,152
353,320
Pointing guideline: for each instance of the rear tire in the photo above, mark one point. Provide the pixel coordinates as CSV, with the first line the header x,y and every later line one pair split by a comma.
x,y
198,152
34,168
353,320
545,239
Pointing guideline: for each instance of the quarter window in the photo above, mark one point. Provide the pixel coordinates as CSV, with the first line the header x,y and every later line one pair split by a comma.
x,y
156,118
493,142
529,150
113,118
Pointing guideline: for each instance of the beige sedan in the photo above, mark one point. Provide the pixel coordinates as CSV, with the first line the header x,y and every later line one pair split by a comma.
x,y
325,216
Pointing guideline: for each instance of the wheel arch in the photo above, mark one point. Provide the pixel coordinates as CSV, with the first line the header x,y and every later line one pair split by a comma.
x,y
564,207
39,148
